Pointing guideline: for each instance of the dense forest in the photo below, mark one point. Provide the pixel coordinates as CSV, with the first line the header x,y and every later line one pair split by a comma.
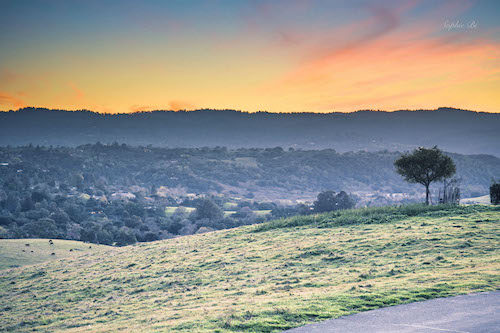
x,y
119,194
454,130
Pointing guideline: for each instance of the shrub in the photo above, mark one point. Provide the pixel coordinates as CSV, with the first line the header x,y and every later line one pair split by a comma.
x,y
125,237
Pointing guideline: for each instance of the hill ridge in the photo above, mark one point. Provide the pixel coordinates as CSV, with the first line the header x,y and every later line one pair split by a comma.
x,y
439,109
454,130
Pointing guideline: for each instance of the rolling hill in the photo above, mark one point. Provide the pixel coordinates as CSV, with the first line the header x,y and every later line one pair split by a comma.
x,y
261,278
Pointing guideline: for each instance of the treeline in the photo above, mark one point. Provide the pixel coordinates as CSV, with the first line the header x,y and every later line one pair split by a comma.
x,y
267,174
451,129
52,214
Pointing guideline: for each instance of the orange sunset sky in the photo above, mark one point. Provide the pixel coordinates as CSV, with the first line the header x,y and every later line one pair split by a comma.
x,y
279,56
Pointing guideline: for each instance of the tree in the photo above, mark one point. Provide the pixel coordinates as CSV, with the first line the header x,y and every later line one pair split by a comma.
x,y
451,192
208,209
328,201
495,193
325,202
344,201
43,228
424,166
60,217
125,237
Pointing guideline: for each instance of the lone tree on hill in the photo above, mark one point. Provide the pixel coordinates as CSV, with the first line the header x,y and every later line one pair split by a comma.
x,y
424,166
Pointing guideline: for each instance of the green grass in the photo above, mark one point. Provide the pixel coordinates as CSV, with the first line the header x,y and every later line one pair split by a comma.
x,y
261,278
15,252
169,210
256,212
230,206
228,210
262,212
371,215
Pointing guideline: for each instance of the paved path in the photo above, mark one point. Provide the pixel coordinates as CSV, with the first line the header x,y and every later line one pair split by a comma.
x,y
475,313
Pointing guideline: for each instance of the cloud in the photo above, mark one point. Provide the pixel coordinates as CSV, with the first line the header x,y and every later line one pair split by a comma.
x,y
176,105
290,38
140,108
389,70
272,21
380,22
363,102
386,60
348,39
7,99
79,94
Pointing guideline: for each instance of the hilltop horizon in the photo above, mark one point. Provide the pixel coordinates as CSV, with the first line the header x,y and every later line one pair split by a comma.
x,y
455,130
441,108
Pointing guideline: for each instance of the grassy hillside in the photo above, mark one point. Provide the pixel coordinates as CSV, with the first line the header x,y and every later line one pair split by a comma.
x,y
261,278
21,252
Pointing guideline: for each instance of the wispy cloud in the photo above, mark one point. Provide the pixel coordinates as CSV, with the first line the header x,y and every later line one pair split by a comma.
x,y
173,105
177,105
383,59
10,100
350,39
79,94
140,108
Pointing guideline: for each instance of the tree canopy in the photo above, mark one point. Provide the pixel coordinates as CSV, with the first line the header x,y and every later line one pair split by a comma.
x,y
495,193
328,201
424,166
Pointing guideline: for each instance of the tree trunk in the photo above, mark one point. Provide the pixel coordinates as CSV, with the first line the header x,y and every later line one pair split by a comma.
x,y
427,194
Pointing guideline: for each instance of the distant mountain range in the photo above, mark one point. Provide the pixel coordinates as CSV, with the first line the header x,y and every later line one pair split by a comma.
x,y
453,130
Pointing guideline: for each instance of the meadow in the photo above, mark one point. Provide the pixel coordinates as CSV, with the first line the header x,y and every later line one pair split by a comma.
x,y
229,209
22,252
261,278
170,210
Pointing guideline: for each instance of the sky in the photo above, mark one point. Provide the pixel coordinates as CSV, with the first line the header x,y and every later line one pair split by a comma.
x,y
278,56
